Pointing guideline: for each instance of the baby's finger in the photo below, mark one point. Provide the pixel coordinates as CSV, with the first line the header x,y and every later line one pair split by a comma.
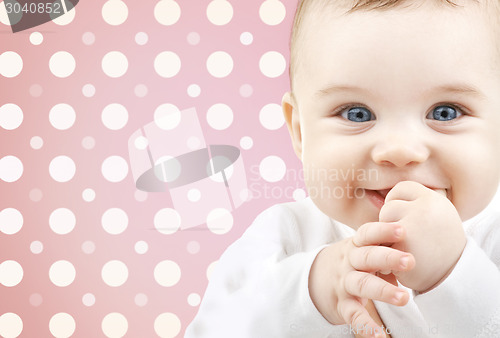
x,y
375,233
380,258
357,316
393,211
406,191
366,285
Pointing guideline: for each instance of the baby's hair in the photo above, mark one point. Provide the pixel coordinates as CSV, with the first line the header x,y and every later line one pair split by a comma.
x,y
306,7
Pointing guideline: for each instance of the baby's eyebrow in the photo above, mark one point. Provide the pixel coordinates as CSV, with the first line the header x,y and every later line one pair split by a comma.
x,y
339,88
459,88
455,88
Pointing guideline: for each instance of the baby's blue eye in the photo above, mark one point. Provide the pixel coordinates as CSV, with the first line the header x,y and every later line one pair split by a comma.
x,y
444,113
357,114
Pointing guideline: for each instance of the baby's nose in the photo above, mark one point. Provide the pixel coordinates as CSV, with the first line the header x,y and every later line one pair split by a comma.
x,y
399,150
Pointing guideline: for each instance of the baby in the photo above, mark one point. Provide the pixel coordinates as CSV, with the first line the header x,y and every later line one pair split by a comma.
x,y
407,93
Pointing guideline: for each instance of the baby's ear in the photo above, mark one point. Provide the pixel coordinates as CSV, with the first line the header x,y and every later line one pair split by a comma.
x,y
291,113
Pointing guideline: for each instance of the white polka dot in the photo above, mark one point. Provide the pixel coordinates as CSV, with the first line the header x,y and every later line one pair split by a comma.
x,y
167,64
167,273
210,269
114,325
62,169
272,64
4,18
88,247
114,221
299,194
62,325
167,116
167,325
88,299
167,12
11,273
36,142
220,116
35,195
271,116
194,90
246,90
272,169
141,143
114,12
88,90
220,64
167,221
141,299
36,247
194,299
141,38
36,38
219,221
62,273
193,247
219,12
88,195
194,195
141,247
193,143
114,64
11,64
140,196
114,169
62,64
36,299
193,38
88,142
68,17
140,90
11,325
246,142
62,221
11,221
170,173
114,273
272,12
11,116
62,116
88,38
114,116
36,90
11,169
245,195
246,38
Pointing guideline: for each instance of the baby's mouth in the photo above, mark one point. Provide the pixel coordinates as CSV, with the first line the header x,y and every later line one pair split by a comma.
x,y
383,192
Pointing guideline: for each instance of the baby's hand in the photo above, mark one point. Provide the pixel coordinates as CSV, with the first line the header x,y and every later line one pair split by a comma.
x,y
342,276
434,233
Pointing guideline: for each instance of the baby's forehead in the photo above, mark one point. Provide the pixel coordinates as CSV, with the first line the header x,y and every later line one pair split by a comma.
x,y
312,15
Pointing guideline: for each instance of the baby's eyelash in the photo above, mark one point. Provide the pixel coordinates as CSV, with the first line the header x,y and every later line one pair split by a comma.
x,y
338,111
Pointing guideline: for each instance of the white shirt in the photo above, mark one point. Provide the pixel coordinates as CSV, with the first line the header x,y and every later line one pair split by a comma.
x,y
259,287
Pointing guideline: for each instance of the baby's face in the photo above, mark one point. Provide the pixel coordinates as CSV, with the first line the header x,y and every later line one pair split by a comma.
x,y
405,94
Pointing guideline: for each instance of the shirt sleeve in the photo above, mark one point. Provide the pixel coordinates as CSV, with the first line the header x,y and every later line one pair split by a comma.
x,y
259,287
475,283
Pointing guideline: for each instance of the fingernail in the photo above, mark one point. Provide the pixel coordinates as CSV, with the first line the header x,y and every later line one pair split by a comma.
x,y
398,296
398,231
404,262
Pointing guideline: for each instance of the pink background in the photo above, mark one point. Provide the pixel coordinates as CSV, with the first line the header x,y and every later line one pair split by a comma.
x,y
259,134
